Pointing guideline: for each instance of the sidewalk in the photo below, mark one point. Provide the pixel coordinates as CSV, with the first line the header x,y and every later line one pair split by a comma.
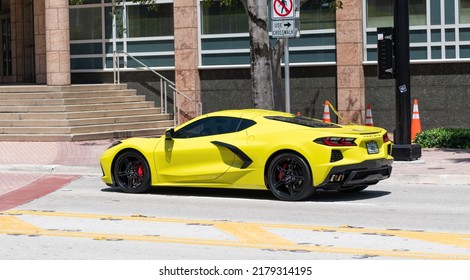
x,y
23,163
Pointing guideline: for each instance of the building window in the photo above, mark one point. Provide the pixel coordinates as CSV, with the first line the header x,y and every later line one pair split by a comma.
x,y
144,34
218,19
85,24
224,37
380,12
439,29
317,15
464,11
144,22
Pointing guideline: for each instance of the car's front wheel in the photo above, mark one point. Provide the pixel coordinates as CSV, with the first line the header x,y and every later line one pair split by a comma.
x,y
131,172
289,177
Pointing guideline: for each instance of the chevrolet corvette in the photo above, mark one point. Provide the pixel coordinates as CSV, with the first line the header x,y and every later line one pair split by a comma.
x,y
292,156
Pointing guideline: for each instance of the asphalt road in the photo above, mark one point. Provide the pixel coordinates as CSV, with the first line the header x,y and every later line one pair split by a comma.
x,y
87,220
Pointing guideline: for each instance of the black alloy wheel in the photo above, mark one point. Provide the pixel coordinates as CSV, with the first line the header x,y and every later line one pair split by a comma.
x,y
131,172
289,177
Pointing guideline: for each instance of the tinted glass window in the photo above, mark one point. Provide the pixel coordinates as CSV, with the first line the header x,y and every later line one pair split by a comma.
x,y
213,126
217,19
303,121
145,22
85,24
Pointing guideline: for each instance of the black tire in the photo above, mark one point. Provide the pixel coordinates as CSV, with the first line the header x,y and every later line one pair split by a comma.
x,y
355,189
131,172
289,177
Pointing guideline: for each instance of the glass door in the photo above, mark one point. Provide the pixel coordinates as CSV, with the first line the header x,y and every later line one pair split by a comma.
x,y
5,45
28,42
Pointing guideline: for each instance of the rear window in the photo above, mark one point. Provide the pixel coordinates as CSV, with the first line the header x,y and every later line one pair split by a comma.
x,y
304,121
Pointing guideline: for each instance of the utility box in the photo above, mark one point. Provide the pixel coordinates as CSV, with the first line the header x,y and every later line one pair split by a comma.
x,y
385,58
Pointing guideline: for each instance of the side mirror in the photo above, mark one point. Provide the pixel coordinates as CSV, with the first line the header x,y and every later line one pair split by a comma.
x,y
169,134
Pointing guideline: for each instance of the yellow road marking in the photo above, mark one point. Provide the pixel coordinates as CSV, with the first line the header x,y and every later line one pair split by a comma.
x,y
12,224
253,234
249,235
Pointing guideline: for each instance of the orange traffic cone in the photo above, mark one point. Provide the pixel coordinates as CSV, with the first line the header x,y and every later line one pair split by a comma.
x,y
369,120
415,121
326,112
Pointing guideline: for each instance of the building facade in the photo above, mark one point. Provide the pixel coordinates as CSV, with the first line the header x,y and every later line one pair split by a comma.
x,y
205,50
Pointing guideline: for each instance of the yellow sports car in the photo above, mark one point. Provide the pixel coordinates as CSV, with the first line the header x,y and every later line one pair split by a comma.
x,y
253,149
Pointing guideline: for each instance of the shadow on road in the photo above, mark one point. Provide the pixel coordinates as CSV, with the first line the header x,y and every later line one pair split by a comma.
x,y
338,196
321,196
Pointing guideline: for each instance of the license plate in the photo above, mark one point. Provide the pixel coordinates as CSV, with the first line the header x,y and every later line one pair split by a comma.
x,y
372,147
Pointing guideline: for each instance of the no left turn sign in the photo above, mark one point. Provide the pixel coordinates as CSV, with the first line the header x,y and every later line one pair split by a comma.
x,y
283,9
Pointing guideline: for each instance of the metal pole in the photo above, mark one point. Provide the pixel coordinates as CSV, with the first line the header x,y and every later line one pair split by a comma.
x,y
287,74
402,86
403,149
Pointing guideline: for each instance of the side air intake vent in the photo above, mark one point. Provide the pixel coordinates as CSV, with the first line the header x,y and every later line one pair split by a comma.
x,y
336,155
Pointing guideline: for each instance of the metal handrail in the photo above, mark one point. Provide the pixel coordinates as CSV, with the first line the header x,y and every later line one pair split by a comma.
x,y
165,84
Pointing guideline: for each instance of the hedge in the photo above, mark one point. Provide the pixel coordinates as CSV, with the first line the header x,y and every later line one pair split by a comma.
x,y
457,138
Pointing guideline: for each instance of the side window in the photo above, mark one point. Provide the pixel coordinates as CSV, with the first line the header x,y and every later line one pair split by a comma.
x,y
213,126
245,124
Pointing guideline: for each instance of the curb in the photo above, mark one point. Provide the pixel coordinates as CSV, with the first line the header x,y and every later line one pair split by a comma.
x,y
51,169
444,179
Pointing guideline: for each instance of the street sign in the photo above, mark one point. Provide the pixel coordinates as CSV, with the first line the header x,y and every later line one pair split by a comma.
x,y
285,15
283,28
283,9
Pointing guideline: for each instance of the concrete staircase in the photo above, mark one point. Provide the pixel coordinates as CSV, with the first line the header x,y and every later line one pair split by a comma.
x,y
77,113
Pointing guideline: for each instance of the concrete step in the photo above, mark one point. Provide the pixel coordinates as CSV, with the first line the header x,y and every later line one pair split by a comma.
x,y
85,128
76,87
112,106
71,101
79,115
153,132
120,127
76,113
114,113
82,122
76,108
121,119
5,96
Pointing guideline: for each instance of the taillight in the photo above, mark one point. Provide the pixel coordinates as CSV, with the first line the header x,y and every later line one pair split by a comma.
x,y
336,141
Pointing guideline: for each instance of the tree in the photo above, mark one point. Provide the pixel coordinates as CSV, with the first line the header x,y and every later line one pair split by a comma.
x,y
266,77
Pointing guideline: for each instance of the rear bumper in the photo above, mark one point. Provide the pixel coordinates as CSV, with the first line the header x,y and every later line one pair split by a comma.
x,y
363,174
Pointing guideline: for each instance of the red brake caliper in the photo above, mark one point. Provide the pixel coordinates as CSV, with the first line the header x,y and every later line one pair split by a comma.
x,y
140,170
281,174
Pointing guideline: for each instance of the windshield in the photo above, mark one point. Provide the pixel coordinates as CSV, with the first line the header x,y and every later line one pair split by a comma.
x,y
305,121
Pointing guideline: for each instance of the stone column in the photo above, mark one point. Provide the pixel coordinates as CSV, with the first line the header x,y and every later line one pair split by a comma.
x,y
186,54
40,41
349,57
57,42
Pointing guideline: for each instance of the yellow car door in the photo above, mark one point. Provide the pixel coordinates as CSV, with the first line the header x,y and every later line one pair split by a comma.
x,y
197,152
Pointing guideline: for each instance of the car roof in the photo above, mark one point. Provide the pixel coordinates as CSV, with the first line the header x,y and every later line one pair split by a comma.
x,y
248,113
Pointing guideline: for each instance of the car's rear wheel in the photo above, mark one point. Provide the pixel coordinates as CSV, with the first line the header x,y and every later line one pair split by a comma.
x,y
131,172
289,177
355,189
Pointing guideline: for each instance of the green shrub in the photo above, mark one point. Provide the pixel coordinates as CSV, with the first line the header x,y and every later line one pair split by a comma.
x,y
458,138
